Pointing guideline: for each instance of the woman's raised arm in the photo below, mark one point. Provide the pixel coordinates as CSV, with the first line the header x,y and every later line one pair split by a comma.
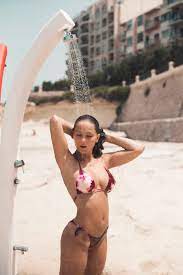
x,y
58,127
131,150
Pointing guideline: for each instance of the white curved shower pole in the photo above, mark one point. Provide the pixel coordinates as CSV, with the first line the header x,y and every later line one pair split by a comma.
x,y
24,78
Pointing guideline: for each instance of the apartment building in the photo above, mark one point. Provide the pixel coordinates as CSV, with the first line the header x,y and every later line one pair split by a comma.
x,y
161,25
105,37
172,22
97,29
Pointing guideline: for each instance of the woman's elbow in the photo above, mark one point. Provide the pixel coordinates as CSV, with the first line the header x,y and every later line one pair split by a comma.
x,y
54,119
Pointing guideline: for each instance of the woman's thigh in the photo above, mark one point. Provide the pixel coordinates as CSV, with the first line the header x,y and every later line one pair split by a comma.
x,y
97,258
74,251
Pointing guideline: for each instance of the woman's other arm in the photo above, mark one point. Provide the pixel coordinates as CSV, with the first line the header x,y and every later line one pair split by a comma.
x,y
58,127
131,150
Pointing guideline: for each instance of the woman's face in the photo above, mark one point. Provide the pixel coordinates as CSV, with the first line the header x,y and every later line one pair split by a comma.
x,y
85,136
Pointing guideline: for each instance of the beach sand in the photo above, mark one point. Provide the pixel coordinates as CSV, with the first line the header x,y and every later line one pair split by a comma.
x,y
145,234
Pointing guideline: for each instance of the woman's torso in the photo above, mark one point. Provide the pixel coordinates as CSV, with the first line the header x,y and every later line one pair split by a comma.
x,y
92,207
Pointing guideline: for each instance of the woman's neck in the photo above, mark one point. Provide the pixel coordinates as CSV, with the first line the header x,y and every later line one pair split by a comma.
x,y
84,157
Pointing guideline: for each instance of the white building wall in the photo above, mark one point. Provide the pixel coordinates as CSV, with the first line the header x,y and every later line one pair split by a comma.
x,y
134,8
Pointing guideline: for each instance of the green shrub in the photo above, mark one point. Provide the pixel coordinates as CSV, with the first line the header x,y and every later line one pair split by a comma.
x,y
68,96
115,93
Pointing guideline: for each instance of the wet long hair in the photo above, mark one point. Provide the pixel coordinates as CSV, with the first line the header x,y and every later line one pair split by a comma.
x,y
97,149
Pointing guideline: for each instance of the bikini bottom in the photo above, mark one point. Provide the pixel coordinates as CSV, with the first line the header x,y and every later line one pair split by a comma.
x,y
93,240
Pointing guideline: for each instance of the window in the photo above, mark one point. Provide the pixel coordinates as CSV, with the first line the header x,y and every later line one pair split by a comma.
x,y
111,30
111,17
104,35
92,27
98,38
104,22
104,62
97,26
156,19
156,36
104,8
129,24
171,1
111,44
129,41
181,32
92,39
98,51
84,51
166,33
140,37
84,39
86,17
165,17
111,56
97,13
84,28
140,20
91,52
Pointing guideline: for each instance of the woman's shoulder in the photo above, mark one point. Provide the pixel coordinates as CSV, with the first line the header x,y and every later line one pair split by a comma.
x,y
105,160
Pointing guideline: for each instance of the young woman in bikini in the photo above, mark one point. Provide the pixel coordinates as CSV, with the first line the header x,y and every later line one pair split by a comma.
x,y
88,180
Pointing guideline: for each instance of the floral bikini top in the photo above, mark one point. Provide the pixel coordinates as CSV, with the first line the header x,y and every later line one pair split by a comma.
x,y
85,183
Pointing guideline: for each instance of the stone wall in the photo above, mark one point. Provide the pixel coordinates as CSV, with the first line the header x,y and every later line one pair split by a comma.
x,y
153,130
160,96
154,109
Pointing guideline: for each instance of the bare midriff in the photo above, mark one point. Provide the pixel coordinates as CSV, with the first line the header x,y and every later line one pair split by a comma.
x,y
92,212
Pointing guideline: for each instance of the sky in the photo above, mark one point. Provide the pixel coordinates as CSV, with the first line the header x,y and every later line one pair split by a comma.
x,y
21,21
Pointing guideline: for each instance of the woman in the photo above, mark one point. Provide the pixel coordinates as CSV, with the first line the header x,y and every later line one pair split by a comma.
x,y
88,180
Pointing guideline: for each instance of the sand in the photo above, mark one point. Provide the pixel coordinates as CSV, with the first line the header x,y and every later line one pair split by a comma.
x,y
145,235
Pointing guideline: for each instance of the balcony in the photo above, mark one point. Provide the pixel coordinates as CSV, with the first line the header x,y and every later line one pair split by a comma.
x,y
86,18
84,42
152,43
123,37
177,19
151,25
175,4
176,37
84,29
110,17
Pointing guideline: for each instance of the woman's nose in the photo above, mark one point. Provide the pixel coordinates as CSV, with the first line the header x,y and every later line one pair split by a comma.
x,y
83,139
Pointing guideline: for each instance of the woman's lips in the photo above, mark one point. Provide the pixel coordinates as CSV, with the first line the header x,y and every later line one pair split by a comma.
x,y
83,146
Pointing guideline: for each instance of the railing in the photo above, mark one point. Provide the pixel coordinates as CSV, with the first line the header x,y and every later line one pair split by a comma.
x,y
84,30
176,19
175,36
152,24
175,3
152,43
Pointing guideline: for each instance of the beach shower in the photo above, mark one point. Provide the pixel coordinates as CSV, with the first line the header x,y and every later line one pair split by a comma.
x,y
47,39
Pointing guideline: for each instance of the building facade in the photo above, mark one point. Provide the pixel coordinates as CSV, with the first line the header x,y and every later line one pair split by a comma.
x,y
162,25
105,38
97,30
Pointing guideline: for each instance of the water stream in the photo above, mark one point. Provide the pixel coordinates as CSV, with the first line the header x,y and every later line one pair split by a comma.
x,y
77,75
